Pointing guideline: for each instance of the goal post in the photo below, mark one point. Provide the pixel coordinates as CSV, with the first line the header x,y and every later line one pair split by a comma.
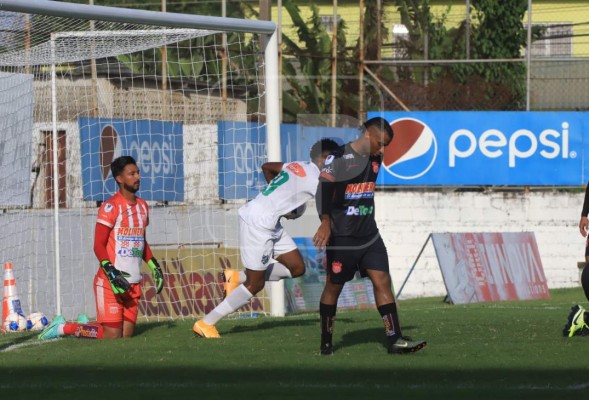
x,y
97,92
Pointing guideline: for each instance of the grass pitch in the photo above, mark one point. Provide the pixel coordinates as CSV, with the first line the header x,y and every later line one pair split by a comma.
x,y
505,350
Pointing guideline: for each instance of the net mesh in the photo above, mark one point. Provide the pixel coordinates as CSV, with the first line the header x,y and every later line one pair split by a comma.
x,y
94,90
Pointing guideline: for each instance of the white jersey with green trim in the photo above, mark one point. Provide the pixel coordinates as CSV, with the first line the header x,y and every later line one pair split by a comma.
x,y
292,187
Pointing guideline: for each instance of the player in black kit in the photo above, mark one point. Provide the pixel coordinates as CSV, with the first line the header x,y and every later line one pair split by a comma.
x,y
345,202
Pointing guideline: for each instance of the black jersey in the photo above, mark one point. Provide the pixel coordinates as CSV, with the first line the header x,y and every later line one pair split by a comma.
x,y
346,192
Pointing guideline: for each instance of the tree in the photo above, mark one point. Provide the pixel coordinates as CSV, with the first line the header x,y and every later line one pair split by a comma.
x,y
307,65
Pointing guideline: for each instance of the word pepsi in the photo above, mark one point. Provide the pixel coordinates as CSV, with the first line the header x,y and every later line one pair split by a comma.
x,y
492,144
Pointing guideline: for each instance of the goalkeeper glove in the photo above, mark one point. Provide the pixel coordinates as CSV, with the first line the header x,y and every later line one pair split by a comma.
x,y
156,272
116,278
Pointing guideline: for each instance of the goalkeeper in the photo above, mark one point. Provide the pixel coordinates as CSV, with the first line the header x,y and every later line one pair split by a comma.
x,y
267,251
120,245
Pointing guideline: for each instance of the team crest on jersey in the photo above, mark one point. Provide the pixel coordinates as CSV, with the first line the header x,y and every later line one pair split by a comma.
x,y
108,207
336,267
329,159
297,169
375,167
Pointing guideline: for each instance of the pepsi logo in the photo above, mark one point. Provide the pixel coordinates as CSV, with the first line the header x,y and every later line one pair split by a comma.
x,y
413,150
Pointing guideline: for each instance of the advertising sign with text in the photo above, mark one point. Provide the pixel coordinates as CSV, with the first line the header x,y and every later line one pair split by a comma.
x,y
193,284
485,148
481,267
156,146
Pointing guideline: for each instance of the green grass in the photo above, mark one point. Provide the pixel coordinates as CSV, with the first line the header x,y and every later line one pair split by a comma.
x,y
481,351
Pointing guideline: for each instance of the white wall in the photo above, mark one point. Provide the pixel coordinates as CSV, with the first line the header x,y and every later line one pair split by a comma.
x,y
406,218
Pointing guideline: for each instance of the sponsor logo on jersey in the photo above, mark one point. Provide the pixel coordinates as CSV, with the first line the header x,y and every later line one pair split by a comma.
x,y
348,156
360,210
128,231
132,252
108,207
413,150
336,267
362,190
329,159
297,169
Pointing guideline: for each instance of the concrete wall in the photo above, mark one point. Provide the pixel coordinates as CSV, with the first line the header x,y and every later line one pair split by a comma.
x,y
405,218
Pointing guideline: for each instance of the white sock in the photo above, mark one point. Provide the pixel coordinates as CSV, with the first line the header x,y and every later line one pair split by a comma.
x,y
60,330
238,298
276,272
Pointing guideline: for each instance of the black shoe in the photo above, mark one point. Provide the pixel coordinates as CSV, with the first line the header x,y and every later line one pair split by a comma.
x,y
326,349
405,344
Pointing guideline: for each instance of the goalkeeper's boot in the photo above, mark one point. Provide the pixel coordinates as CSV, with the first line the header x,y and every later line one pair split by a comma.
x,y
405,344
205,331
51,332
230,281
575,322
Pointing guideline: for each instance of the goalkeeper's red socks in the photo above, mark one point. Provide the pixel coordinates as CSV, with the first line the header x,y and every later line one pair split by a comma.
x,y
83,331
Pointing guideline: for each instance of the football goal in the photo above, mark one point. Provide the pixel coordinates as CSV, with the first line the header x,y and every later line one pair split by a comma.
x,y
193,99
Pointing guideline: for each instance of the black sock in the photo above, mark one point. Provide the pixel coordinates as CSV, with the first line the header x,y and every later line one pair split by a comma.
x,y
585,280
390,318
327,314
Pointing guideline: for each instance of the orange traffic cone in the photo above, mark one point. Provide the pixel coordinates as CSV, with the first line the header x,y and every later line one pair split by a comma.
x,y
11,301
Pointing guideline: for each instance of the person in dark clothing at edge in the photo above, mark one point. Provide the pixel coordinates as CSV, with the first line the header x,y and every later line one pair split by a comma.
x,y
348,231
578,319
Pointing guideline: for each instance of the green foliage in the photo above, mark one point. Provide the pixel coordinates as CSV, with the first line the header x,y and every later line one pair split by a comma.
x,y
307,67
496,32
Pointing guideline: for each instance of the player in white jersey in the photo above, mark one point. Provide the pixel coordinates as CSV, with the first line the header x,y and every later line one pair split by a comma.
x,y
268,252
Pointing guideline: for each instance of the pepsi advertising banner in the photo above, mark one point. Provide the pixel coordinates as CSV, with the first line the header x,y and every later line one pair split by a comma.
x,y
156,146
242,151
485,148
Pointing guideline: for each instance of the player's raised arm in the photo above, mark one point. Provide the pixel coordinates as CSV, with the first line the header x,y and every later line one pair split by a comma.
x,y
271,169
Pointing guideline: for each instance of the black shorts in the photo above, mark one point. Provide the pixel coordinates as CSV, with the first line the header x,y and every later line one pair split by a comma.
x,y
347,255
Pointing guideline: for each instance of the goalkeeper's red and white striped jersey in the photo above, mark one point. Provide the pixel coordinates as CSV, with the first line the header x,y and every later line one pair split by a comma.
x,y
127,236
291,188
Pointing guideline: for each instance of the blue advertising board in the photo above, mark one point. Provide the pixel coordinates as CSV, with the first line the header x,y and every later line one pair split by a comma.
x,y
242,151
485,148
156,146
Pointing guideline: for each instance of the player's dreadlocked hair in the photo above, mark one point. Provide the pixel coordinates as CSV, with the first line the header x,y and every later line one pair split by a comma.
x,y
322,145
118,164
381,124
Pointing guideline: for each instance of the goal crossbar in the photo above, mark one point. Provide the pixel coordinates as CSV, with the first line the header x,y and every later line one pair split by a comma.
x,y
156,18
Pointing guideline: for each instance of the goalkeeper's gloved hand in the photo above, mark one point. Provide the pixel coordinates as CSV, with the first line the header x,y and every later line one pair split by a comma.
x,y
116,278
157,273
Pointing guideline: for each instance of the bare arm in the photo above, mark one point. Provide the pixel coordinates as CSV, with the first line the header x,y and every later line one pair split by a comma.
x,y
271,169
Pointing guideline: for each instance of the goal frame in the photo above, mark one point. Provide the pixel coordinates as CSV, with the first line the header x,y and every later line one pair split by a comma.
x,y
155,18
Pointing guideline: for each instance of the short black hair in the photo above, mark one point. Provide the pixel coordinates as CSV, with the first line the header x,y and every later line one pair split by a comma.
x,y
118,164
380,123
322,145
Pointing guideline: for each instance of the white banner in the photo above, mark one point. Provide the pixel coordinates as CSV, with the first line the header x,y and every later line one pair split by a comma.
x,y
16,132
480,267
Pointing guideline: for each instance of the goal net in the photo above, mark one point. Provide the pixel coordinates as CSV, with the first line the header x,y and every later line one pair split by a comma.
x,y
188,103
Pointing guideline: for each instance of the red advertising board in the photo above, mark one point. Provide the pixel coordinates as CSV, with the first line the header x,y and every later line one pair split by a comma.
x,y
480,267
